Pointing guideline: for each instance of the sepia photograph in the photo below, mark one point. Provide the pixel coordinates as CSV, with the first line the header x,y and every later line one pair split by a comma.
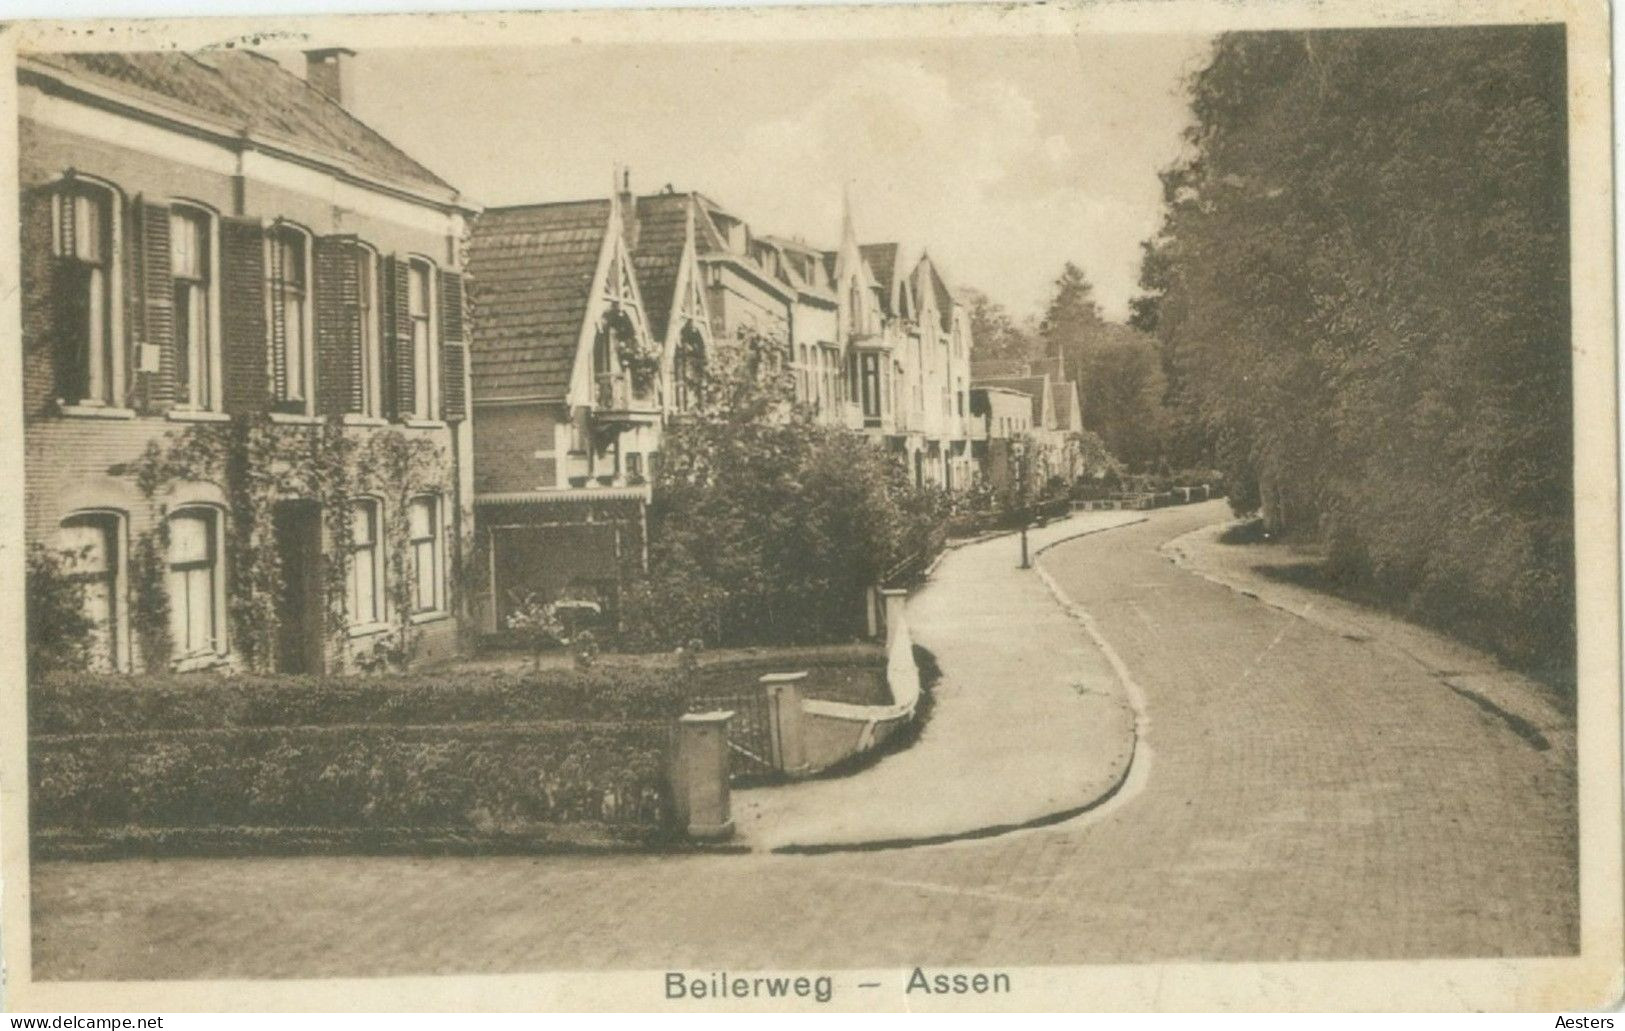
x,y
1097,506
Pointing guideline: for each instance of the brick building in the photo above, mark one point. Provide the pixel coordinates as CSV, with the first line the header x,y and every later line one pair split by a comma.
x,y
244,379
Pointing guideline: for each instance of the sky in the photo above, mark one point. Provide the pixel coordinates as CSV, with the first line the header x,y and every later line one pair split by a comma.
x,y
1002,157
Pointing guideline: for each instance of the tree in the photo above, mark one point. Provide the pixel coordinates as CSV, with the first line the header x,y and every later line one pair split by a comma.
x,y
1072,319
1361,290
765,526
1121,390
994,333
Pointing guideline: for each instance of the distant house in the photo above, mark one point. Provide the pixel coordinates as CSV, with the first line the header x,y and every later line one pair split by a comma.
x,y
999,416
1056,409
223,265
573,373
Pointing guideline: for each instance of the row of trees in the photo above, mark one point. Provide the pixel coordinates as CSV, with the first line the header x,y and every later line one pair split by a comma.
x,y
1360,292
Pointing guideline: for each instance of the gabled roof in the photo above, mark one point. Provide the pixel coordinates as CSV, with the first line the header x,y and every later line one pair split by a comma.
x,y
249,92
662,232
944,296
1036,387
532,271
1064,403
882,261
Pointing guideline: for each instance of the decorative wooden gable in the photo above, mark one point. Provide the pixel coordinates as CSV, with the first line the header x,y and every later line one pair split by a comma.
x,y
614,337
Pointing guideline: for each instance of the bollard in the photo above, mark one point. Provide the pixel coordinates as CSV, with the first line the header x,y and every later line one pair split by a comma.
x,y
895,599
699,776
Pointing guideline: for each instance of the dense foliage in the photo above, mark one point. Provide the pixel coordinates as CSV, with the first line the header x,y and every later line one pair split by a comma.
x,y
488,777
59,632
89,703
1361,289
765,526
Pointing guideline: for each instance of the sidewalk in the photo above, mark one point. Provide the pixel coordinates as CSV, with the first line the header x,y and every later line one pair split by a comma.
x,y
1030,723
1525,705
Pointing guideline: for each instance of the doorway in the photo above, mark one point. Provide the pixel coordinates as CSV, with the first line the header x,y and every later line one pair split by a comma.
x,y
300,646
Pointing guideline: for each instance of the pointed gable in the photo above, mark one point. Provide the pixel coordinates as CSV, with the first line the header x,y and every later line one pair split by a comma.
x,y
661,243
531,272
882,261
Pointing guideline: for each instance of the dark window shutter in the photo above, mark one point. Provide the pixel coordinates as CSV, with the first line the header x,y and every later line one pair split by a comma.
x,y
39,304
154,295
243,329
338,326
453,349
399,335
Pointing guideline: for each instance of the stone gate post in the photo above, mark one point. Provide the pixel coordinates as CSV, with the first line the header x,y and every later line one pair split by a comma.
x,y
699,776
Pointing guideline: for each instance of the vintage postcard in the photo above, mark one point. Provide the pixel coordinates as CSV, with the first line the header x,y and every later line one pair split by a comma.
x,y
1027,507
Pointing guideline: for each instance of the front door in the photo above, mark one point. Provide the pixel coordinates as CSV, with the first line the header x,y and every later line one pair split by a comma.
x,y
300,610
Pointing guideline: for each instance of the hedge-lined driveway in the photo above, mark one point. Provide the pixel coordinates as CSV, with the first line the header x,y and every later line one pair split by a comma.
x,y
1307,798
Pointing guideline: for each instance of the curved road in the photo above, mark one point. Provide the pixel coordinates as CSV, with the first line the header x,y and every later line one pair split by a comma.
x,y
1308,798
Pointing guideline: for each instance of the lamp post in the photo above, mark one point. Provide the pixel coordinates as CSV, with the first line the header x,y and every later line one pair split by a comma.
x,y
1018,452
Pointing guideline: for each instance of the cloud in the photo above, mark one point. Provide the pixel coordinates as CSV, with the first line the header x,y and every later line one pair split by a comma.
x,y
964,168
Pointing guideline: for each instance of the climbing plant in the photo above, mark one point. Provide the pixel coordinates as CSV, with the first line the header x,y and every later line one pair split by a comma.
x,y
258,463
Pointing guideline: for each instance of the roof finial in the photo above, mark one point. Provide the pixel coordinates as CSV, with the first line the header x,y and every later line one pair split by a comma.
x,y
847,232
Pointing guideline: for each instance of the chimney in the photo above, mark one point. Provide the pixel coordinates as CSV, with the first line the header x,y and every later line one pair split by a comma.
x,y
629,210
328,70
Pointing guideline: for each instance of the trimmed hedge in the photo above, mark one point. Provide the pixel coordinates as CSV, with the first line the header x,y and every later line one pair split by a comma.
x,y
76,703
494,778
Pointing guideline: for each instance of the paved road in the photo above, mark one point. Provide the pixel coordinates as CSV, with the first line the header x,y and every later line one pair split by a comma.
x,y
1308,798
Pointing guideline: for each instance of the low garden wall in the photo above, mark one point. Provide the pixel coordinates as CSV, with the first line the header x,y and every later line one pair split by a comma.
x,y
832,732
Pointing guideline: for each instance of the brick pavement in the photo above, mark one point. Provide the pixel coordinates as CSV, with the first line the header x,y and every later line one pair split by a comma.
x,y
1309,798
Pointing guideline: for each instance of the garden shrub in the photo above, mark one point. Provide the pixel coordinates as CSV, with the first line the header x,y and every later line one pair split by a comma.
x,y
491,778
79,703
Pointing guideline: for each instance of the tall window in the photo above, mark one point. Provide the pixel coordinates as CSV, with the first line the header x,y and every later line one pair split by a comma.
x,y
371,353
288,287
92,556
363,571
871,386
420,304
423,530
84,239
196,599
191,260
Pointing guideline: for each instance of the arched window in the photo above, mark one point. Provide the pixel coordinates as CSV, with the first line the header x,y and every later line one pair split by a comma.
x,y
423,535
197,348
420,303
85,222
287,271
364,572
91,545
197,599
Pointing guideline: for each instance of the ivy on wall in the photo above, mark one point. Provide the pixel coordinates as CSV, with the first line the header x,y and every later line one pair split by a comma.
x,y
258,463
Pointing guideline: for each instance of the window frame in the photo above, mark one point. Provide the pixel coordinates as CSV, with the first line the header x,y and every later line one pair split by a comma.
x,y
106,372
371,342
181,209
214,518
425,382
115,525
288,403
357,621
436,542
